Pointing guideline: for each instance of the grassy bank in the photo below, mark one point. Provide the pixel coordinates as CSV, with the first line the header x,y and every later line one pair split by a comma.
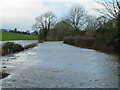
x,y
10,48
8,36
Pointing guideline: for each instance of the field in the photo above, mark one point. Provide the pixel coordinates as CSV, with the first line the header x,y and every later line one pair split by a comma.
x,y
7,36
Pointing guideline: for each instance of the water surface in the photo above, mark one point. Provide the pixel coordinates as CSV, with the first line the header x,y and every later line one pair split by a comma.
x,y
54,64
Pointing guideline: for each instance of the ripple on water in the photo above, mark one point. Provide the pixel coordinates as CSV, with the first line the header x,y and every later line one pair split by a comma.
x,y
54,64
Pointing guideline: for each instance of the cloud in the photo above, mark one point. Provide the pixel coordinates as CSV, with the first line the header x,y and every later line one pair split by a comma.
x,y
19,13
89,5
22,13
0,16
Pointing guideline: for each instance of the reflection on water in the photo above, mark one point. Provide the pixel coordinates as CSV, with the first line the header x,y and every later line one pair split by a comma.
x,y
54,64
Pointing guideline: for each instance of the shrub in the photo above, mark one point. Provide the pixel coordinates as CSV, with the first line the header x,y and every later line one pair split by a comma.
x,y
3,75
80,41
11,47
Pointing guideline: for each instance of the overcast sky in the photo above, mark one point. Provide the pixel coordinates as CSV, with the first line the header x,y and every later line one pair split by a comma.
x,y
22,13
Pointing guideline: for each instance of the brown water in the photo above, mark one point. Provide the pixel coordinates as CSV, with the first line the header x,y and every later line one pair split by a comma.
x,y
54,64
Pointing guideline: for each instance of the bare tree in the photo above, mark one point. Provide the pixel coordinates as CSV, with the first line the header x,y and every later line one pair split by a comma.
x,y
112,9
76,17
45,22
92,23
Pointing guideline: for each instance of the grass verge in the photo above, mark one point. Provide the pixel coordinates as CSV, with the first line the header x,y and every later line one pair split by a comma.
x,y
8,36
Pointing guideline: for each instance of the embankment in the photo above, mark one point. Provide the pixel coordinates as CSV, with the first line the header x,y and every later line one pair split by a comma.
x,y
10,48
88,42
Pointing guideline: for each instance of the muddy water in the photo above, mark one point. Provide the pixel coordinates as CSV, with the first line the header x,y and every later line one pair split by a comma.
x,y
55,65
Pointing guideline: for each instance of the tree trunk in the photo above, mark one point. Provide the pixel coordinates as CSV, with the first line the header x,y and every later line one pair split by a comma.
x,y
118,32
45,34
117,41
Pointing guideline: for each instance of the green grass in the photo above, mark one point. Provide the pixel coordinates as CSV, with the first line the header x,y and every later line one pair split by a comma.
x,y
8,36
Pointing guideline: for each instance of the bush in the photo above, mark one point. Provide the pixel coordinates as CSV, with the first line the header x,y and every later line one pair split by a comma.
x,y
11,47
88,42
3,75
80,41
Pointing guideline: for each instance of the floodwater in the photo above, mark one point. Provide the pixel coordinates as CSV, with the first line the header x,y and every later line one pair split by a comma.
x,y
21,42
58,65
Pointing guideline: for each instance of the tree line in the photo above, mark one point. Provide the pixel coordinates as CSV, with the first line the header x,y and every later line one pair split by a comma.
x,y
27,32
104,30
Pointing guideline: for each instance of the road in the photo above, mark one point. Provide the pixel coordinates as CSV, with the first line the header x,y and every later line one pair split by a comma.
x,y
58,65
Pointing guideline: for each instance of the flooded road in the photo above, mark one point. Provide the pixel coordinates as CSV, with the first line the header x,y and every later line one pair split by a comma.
x,y
56,65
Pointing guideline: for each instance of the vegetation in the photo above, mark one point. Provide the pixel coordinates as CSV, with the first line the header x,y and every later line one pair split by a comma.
x,y
20,32
7,36
102,37
81,29
10,47
44,22
3,75
112,10
80,41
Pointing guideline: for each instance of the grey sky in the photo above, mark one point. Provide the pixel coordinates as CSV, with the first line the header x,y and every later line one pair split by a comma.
x,y
22,13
